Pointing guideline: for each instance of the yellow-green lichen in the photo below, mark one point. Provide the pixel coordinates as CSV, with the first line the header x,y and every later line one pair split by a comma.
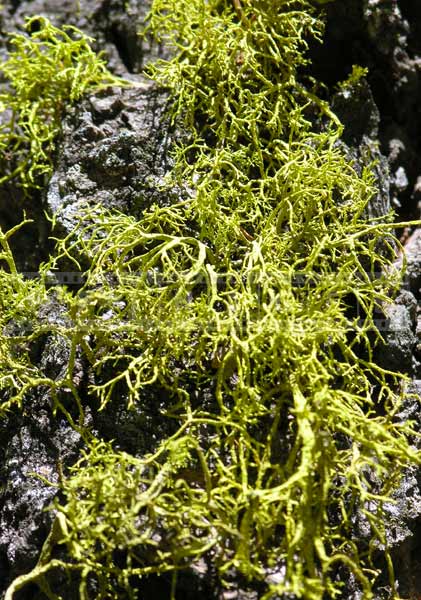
x,y
354,78
47,70
20,299
245,289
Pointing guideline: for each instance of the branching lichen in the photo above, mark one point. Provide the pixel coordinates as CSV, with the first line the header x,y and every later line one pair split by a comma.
x,y
47,70
248,289
20,299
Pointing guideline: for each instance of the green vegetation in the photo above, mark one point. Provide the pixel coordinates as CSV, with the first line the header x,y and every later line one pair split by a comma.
x,y
354,78
47,70
244,289
20,301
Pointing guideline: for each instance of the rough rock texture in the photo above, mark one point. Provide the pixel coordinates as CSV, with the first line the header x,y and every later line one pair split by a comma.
x,y
398,332
114,150
35,446
382,35
113,25
31,446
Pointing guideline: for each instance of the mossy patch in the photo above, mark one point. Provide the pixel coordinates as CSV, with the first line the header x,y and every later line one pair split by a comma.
x,y
249,288
47,70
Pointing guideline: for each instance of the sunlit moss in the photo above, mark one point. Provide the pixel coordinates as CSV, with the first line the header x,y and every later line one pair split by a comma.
x,y
47,70
20,300
249,289
354,78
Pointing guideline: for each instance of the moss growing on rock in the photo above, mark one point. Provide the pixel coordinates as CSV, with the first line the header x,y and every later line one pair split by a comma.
x,y
47,70
246,288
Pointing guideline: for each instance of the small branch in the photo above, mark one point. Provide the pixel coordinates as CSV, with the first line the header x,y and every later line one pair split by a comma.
x,y
240,12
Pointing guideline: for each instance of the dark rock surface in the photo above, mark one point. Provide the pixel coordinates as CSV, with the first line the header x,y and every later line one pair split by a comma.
x,y
31,446
115,150
382,35
399,334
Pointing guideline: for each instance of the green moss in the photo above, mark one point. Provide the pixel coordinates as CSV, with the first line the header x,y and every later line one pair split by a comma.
x,y
247,289
354,78
47,70
20,299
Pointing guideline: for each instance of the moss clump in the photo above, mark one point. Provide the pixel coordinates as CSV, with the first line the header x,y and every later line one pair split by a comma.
x,y
245,289
354,78
47,70
20,300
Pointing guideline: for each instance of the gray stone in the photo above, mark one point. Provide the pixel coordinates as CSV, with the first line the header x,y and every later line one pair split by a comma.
x,y
115,152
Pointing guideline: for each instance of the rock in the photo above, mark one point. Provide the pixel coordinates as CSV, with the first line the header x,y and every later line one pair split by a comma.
x,y
399,338
36,444
115,151
385,38
405,516
358,112
413,263
33,446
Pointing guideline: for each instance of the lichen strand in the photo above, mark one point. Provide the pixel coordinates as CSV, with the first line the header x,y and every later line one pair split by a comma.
x,y
20,299
247,288
47,70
